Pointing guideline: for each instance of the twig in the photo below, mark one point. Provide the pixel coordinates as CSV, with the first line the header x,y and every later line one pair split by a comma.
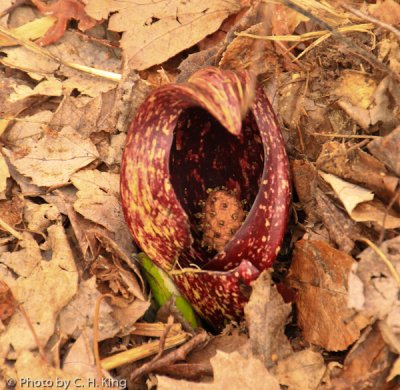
x,y
389,206
141,352
5,226
35,336
186,370
161,348
371,19
335,135
172,357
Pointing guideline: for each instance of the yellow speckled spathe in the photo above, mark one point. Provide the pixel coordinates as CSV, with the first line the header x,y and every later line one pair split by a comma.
x,y
183,140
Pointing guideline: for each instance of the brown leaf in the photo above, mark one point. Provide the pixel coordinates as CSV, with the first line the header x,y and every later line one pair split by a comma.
x,y
231,371
358,167
156,32
64,11
266,316
8,304
386,149
11,210
366,366
319,273
4,175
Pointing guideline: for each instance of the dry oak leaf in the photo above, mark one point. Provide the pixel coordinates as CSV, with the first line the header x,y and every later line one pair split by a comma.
x,y
48,288
4,175
266,316
8,303
98,201
56,157
366,366
64,11
35,369
23,261
386,149
154,31
301,370
320,274
372,287
231,371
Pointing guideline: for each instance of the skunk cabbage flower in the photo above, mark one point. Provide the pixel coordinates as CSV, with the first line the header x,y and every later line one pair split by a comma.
x,y
205,188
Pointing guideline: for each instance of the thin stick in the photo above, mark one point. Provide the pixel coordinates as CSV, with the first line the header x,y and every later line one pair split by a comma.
x,y
350,44
35,336
161,348
141,352
371,19
32,46
172,357
5,226
390,205
336,135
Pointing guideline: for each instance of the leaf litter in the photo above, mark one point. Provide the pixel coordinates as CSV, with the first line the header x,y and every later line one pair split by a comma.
x,y
72,74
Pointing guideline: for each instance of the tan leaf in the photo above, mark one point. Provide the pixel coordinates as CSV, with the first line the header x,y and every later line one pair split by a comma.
x,y
373,290
53,159
25,260
156,31
266,317
301,370
98,201
51,87
320,274
48,288
231,371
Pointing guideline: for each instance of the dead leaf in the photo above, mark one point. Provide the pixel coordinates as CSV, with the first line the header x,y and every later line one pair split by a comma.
x,y
157,32
266,316
358,167
350,194
43,294
8,303
98,201
319,273
40,216
366,366
4,175
231,371
386,149
30,128
51,87
359,204
79,359
373,291
24,260
64,11
302,370
56,157
11,211
386,10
